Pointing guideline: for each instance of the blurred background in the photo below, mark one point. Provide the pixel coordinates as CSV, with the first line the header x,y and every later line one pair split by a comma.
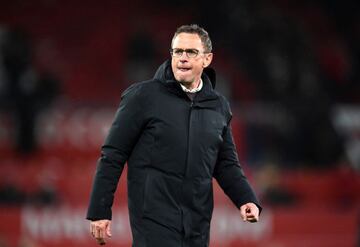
x,y
290,69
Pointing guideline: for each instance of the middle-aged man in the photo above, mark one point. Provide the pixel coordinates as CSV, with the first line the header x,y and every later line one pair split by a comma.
x,y
174,132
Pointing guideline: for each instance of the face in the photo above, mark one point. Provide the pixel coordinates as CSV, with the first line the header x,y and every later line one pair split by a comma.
x,y
187,70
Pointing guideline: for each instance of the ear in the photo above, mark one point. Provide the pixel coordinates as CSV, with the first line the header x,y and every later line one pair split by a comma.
x,y
207,59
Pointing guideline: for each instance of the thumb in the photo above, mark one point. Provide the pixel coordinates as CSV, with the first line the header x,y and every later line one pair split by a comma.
x,y
108,230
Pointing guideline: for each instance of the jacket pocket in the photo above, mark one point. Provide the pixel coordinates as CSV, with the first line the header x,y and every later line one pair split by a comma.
x,y
161,199
136,196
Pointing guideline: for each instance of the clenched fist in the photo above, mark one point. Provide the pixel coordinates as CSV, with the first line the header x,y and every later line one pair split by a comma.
x,y
100,229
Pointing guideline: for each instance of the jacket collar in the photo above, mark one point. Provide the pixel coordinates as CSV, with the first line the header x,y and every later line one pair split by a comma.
x,y
165,75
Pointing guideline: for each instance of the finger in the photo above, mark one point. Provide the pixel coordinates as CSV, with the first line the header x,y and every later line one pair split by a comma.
x,y
102,232
99,237
108,230
252,220
243,213
98,231
252,217
93,230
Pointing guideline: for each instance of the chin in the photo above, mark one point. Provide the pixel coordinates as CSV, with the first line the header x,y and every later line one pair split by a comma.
x,y
184,81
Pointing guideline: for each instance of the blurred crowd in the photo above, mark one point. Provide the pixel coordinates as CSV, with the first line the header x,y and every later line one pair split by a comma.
x,y
291,70
303,59
24,91
285,66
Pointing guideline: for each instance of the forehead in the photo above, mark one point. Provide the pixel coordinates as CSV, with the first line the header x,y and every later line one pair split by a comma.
x,y
187,41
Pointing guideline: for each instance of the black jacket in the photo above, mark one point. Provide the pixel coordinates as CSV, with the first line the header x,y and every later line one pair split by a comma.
x,y
174,147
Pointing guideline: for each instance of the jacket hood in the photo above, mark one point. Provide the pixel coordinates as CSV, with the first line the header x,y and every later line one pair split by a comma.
x,y
164,74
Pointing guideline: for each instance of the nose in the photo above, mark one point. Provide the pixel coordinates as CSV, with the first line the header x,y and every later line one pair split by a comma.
x,y
183,57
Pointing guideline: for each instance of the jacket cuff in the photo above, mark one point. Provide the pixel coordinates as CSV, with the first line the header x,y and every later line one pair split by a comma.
x,y
247,198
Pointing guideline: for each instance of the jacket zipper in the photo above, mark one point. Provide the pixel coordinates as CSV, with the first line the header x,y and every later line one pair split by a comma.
x,y
188,138
184,192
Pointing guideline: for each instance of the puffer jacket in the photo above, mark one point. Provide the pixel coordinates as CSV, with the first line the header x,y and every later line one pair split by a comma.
x,y
173,147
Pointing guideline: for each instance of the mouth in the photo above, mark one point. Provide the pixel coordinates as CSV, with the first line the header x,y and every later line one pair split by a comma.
x,y
184,69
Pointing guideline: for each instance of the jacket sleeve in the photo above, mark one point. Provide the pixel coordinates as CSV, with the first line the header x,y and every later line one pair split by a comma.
x,y
230,175
123,135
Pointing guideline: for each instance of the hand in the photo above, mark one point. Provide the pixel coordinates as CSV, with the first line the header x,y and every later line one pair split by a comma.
x,y
100,229
249,212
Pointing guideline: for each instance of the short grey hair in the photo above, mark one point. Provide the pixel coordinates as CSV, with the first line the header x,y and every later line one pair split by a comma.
x,y
195,29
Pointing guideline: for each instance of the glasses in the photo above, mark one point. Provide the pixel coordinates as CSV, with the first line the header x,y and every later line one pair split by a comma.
x,y
190,53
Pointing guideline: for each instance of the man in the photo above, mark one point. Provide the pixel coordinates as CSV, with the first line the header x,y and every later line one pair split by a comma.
x,y
174,132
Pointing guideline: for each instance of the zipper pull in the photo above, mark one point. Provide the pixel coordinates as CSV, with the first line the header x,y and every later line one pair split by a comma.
x,y
191,104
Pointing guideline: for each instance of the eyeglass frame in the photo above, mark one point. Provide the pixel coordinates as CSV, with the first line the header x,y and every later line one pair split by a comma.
x,y
187,51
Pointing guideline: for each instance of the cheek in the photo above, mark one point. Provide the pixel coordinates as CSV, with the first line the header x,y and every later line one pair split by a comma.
x,y
198,69
173,64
